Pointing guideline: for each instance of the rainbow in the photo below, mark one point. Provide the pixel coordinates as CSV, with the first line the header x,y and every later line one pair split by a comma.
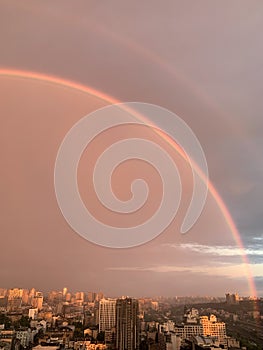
x,y
109,99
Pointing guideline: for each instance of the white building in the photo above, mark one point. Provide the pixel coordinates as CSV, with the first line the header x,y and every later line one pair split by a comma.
x,y
107,314
168,326
32,313
25,337
186,331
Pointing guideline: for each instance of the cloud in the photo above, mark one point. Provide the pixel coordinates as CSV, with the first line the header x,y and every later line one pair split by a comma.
x,y
231,254
224,269
159,268
221,250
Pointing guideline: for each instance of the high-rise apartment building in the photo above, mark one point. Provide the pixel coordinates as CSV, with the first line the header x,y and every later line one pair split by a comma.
x,y
91,297
107,314
37,301
15,293
80,296
14,299
64,292
25,296
127,310
232,299
68,297
107,318
99,296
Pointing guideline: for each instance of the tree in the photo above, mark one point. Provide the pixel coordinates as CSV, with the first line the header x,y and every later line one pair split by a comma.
x,y
5,320
79,330
25,322
101,336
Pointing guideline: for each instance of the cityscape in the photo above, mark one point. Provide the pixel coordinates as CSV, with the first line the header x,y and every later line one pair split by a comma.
x,y
32,320
131,183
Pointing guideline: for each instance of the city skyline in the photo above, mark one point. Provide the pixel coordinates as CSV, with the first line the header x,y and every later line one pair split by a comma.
x,y
92,294
91,321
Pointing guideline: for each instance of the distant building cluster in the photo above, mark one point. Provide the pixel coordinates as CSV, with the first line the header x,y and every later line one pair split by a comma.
x,y
232,299
16,297
89,321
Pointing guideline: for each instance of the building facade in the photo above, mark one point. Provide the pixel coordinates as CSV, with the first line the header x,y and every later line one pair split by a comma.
x,y
107,318
213,328
127,325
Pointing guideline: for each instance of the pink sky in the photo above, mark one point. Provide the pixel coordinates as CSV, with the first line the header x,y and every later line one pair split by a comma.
x,y
200,60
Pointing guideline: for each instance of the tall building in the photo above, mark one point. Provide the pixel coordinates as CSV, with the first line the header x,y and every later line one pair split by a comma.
x,y
15,293
25,296
64,292
91,297
14,299
37,301
79,296
31,295
232,299
68,297
107,314
127,310
107,318
99,296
